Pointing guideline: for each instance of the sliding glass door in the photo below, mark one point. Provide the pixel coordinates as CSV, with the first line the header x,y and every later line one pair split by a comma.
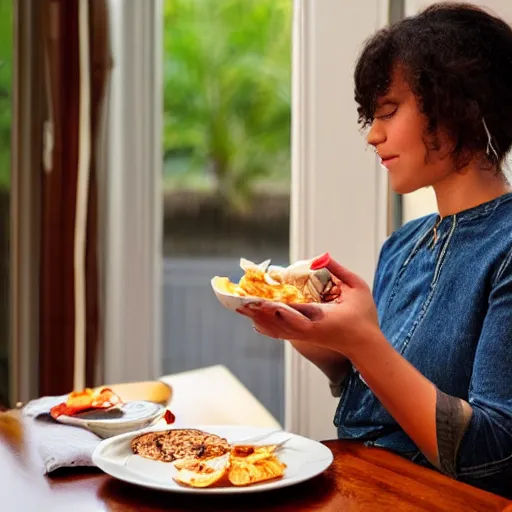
x,y
226,180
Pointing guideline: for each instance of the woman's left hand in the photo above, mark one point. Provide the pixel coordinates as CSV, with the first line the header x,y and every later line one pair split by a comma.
x,y
337,326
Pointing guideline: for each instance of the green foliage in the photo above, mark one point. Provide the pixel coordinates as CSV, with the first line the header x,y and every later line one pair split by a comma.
x,y
227,92
6,60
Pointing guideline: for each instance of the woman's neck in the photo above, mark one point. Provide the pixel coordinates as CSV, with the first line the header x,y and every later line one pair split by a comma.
x,y
468,188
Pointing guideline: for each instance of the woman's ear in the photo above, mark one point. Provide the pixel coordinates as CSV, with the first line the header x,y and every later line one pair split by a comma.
x,y
440,145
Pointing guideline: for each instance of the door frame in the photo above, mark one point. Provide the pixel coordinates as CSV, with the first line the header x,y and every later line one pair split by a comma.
x,y
132,199
337,182
26,151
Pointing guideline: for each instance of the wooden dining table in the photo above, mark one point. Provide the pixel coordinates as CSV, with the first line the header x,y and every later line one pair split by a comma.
x,y
360,479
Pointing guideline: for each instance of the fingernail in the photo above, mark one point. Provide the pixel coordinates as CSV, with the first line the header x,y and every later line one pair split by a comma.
x,y
321,262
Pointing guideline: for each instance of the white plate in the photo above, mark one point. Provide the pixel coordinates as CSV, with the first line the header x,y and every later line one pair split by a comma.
x,y
234,302
128,417
303,457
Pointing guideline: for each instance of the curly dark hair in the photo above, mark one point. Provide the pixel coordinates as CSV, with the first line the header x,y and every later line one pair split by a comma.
x,y
457,59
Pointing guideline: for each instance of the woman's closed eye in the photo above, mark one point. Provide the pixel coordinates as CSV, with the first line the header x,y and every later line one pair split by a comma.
x,y
386,111
387,114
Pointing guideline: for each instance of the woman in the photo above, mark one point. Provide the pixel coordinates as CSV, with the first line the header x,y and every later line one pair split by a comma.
x,y
423,365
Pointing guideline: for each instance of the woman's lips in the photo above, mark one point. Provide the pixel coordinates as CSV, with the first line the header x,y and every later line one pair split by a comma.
x,y
388,160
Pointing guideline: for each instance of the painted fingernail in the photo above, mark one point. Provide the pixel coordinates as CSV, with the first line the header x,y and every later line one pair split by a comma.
x,y
321,262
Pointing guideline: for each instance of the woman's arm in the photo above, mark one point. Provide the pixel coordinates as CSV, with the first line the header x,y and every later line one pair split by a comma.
x,y
486,447
470,440
405,393
464,439
333,364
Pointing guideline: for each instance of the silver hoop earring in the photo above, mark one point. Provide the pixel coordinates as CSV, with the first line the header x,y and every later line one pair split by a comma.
x,y
490,146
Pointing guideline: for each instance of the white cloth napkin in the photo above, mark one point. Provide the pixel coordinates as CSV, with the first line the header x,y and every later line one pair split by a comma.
x,y
24,489
53,444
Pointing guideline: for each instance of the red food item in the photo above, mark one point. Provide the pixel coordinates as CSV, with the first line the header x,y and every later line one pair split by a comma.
x,y
169,417
80,401
321,262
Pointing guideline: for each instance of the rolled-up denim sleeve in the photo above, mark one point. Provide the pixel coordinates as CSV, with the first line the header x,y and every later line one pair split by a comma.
x,y
486,445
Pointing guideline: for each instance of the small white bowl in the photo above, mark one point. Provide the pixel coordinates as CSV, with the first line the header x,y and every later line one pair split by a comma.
x,y
127,417
234,302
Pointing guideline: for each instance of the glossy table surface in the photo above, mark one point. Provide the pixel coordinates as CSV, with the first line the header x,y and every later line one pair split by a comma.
x,y
360,479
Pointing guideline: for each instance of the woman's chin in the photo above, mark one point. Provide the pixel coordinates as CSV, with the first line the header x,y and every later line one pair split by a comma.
x,y
403,187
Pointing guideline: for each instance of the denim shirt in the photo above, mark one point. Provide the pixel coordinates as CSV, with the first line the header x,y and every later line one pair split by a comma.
x,y
445,304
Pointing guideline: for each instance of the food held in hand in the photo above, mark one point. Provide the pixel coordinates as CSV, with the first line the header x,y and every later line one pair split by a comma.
x,y
256,283
86,400
296,284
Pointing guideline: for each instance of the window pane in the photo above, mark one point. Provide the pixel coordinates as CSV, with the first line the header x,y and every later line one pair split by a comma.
x,y
227,96
5,156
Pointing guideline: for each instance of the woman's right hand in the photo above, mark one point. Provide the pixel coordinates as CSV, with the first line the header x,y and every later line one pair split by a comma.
x,y
333,364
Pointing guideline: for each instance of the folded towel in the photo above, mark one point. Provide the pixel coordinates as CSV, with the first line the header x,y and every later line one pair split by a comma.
x,y
53,444
23,489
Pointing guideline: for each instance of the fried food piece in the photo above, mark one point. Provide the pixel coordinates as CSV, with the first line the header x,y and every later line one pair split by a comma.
x,y
244,472
202,473
252,453
245,465
80,401
189,463
203,477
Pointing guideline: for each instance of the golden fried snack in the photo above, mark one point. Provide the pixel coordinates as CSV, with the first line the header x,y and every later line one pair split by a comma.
x,y
245,465
255,283
80,401
201,475
242,473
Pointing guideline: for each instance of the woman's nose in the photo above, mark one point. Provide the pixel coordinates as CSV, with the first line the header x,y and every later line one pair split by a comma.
x,y
376,134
